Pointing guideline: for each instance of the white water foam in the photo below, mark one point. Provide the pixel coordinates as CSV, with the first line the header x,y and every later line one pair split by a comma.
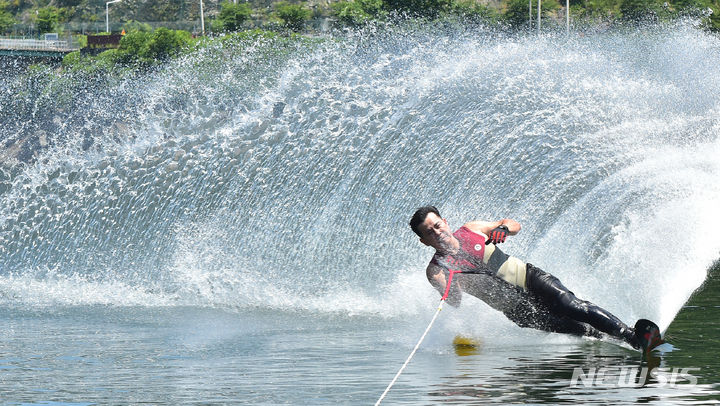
x,y
601,146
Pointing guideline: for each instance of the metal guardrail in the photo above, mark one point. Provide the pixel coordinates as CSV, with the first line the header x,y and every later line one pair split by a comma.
x,y
36,45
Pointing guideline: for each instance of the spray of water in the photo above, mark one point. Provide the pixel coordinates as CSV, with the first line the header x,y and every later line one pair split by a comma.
x,y
282,176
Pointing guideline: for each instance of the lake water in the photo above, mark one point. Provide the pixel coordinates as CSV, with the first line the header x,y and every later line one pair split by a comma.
x,y
190,355
232,228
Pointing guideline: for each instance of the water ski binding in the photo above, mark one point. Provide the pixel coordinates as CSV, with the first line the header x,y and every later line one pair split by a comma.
x,y
648,335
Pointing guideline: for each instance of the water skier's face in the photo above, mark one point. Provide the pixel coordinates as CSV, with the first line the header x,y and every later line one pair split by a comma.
x,y
435,232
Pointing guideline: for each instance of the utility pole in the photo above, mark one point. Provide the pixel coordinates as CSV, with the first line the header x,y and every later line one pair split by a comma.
x,y
567,16
529,14
202,19
107,14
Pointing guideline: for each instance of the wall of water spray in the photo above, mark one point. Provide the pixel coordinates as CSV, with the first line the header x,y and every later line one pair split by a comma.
x,y
281,174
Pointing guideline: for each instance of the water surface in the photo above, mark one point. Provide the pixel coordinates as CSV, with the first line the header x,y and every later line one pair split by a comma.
x,y
232,228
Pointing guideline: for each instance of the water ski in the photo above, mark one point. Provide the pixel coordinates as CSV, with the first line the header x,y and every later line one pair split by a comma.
x,y
647,334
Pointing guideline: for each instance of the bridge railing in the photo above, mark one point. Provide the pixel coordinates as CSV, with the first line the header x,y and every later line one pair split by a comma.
x,y
35,45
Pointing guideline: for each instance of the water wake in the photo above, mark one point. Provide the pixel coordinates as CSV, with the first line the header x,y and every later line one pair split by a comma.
x,y
282,176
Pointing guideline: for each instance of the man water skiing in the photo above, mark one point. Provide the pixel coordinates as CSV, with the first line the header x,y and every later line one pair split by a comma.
x,y
527,295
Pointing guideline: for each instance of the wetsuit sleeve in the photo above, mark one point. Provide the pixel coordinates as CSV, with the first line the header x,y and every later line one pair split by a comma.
x,y
438,277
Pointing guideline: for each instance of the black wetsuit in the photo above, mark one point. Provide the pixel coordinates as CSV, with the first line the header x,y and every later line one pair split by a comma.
x,y
566,312
539,300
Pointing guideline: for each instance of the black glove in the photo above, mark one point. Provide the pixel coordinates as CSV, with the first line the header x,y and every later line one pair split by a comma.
x,y
498,235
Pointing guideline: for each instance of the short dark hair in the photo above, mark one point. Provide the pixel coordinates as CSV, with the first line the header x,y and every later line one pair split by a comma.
x,y
419,217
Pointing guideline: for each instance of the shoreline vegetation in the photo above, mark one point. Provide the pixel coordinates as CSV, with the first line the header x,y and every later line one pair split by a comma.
x,y
144,45
43,90
79,17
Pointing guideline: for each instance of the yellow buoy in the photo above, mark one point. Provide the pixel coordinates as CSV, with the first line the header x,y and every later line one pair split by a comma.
x,y
465,341
465,345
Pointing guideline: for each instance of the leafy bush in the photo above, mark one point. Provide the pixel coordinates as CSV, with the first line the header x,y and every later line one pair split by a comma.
x,y
640,9
357,12
166,43
105,61
517,13
137,49
81,40
133,47
474,10
293,16
714,19
152,47
232,16
421,8
73,59
590,10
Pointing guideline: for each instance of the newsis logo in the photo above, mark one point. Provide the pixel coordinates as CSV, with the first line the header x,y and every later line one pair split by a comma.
x,y
633,377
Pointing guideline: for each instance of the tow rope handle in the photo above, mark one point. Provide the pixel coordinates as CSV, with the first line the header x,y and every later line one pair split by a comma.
x,y
449,283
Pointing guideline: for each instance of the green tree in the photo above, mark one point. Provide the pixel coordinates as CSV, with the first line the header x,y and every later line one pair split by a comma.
x,y
232,16
48,18
549,9
419,8
6,20
685,4
713,22
474,9
640,9
293,16
136,26
597,9
517,13
358,11
67,3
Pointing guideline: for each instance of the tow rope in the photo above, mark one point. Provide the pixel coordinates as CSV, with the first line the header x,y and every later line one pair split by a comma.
x,y
407,361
